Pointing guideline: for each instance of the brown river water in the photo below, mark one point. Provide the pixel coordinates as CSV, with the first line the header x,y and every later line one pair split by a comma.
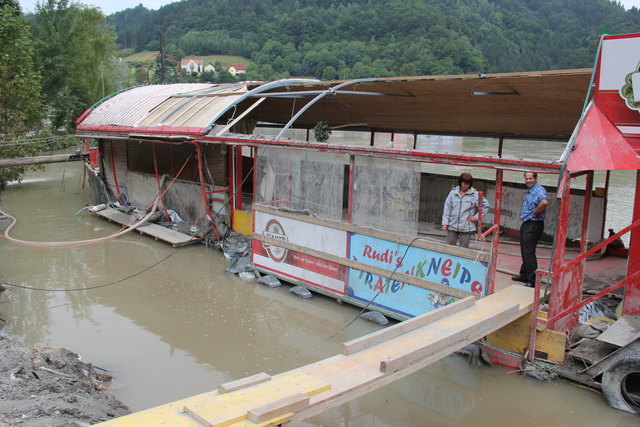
x,y
185,326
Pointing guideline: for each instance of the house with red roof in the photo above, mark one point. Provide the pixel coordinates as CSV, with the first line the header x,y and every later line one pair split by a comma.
x,y
236,69
192,66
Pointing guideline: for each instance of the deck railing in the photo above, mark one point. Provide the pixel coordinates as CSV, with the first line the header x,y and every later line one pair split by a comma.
x,y
573,263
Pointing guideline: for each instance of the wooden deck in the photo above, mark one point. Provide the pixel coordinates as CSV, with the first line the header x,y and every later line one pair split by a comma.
x,y
158,232
365,364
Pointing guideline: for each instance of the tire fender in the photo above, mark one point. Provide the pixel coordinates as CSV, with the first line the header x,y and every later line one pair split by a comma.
x,y
621,383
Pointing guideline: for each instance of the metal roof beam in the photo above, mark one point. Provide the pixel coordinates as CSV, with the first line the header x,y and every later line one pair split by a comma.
x,y
251,93
318,98
301,94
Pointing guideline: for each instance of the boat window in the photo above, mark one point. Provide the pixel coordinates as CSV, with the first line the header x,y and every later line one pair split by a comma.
x,y
309,182
386,194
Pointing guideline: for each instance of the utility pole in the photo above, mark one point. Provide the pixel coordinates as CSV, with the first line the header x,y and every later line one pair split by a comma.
x,y
163,78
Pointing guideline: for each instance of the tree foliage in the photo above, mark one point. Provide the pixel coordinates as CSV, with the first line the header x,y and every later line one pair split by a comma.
x,y
364,38
20,107
76,48
53,64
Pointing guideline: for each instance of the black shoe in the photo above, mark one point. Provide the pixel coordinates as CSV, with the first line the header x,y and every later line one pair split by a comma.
x,y
530,285
519,279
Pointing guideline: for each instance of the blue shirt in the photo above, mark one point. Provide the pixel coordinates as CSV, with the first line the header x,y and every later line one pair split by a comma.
x,y
532,197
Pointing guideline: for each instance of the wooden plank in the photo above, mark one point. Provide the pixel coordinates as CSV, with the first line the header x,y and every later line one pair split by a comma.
x,y
196,417
622,331
154,230
40,160
278,408
434,245
244,382
367,368
412,280
515,337
232,408
382,335
478,330
278,421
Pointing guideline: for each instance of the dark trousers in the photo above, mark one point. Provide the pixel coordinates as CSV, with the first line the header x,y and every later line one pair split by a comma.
x,y
452,238
530,233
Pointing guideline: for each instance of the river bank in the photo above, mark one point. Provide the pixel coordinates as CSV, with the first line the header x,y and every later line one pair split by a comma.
x,y
44,386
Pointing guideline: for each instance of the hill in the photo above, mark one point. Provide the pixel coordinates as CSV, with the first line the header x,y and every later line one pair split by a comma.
x,y
331,39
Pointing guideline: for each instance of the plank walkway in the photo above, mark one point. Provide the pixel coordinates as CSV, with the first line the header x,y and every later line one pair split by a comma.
x,y
40,160
154,230
365,364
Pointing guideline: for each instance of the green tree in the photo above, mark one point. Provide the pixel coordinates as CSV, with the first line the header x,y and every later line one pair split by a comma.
x,y
20,107
77,53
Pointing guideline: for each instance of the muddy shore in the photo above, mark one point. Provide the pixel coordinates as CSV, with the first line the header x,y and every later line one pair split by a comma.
x,y
51,387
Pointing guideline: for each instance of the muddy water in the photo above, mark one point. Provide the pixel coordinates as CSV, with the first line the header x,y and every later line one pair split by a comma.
x,y
185,326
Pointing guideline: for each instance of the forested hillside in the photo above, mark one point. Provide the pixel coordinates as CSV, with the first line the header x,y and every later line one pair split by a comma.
x,y
331,39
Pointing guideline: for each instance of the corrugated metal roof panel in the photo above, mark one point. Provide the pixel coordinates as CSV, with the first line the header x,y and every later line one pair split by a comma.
x,y
194,111
180,105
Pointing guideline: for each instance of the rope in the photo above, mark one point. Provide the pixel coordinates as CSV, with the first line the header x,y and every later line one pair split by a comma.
x,y
115,282
378,293
79,243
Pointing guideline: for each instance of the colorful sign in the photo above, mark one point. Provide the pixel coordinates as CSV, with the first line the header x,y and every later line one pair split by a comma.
x,y
402,298
296,265
618,82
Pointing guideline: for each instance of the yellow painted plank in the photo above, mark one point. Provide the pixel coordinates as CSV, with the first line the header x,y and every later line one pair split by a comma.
x,y
273,422
223,409
515,337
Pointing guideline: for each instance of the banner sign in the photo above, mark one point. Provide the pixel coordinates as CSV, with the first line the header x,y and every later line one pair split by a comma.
x,y
403,298
296,265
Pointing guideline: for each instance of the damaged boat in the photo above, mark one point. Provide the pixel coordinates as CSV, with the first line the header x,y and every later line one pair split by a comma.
x,y
340,186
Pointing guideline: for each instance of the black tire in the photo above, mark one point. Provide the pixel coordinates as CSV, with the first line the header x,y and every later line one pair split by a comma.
x,y
621,383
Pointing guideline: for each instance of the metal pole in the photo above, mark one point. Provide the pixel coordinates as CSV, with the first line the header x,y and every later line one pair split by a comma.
x,y
491,276
631,303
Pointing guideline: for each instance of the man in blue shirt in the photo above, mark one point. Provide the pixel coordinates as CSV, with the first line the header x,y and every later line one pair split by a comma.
x,y
534,205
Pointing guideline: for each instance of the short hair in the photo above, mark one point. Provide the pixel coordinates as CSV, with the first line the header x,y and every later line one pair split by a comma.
x,y
465,177
535,174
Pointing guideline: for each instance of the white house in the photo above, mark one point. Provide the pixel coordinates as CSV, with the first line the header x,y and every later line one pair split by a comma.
x,y
191,66
236,69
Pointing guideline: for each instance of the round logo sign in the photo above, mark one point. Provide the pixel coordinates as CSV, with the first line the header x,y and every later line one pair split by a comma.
x,y
275,230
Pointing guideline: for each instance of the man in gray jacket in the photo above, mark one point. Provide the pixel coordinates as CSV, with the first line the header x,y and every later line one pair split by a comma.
x,y
460,210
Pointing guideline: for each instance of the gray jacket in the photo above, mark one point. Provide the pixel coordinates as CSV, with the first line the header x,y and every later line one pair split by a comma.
x,y
458,208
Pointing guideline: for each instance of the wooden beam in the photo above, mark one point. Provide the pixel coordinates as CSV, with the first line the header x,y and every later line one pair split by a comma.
x,y
244,382
382,335
40,160
278,408
477,330
412,280
423,243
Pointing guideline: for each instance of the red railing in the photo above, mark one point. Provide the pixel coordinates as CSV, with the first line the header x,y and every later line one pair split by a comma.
x,y
571,264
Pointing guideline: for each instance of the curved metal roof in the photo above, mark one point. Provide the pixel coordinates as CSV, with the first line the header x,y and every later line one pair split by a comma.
x,y
545,105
